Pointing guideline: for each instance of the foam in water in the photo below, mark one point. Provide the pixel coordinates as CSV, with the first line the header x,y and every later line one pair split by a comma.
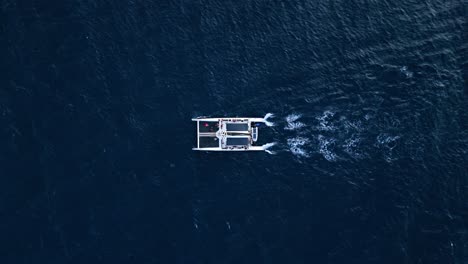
x,y
324,144
267,146
351,145
268,123
406,72
324,122
388,142
293,117
352,126
296,144
268,115
292,124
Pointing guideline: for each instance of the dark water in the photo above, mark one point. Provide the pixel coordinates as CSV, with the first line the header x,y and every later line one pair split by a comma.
x,y
370,99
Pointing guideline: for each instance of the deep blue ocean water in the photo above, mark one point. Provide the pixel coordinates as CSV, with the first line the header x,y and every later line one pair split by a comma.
x,y
370,104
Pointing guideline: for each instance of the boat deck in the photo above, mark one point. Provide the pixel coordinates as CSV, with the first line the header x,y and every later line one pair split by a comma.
x,y
209,142
208,126
227,134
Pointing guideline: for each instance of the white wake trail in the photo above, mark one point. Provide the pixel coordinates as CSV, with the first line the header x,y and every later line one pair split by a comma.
x,y
266,147
268,123
296,146
293,124
293,117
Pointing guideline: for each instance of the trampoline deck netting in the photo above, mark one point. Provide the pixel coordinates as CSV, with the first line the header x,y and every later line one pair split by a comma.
x,y
237,127
208,127
237,141
209,142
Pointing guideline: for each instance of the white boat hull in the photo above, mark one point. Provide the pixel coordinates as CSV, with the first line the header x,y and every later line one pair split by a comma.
x,y
229,133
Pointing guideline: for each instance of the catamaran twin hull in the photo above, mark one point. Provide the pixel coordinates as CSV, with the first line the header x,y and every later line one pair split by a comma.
x,y
229,133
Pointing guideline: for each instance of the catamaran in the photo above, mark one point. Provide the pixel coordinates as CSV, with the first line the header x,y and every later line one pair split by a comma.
x,y
230,133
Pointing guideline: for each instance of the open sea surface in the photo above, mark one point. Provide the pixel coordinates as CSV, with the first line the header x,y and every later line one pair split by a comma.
x,y
370,99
